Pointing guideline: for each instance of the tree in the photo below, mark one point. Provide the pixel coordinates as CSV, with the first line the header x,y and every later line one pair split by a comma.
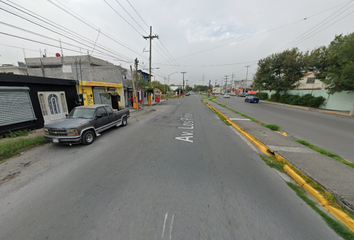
x,y
337,70
188,88
201,88
161,86
280,71
338,74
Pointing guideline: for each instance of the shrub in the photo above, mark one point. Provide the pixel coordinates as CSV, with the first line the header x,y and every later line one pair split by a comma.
x,y
305,99
284,98
262,95
294,100
274,97
316,102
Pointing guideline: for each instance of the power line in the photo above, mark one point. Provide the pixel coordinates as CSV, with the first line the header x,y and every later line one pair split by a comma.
x,y
55,25
91,26
131,16
223,45
122,17
46,44
324,28
317,26
50,38
137,13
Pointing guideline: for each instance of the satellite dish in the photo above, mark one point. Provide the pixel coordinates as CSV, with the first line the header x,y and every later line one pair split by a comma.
x,y
57,54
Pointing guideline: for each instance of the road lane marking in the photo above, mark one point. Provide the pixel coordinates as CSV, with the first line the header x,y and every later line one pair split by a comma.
x,y
188,124
173,216
164,225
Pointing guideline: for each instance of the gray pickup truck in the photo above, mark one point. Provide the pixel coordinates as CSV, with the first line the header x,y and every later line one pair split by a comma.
x,y
84,123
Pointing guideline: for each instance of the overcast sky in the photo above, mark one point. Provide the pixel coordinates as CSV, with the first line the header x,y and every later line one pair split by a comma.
x,y
207,39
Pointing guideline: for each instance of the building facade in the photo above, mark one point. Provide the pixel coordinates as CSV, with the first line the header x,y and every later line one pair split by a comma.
x,y
28,102
309,82
21,69
93,76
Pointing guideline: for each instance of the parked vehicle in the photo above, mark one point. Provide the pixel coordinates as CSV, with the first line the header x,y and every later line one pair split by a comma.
x,y
226,96
84,123
242,94
252,99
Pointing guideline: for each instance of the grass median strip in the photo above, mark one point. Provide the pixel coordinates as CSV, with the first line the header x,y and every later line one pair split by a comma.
x,y
272,162
13,147
341,230
279,165
273,127
325,152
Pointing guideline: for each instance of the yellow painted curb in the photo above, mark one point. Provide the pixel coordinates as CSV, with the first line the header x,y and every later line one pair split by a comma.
x,y
337,213
344,114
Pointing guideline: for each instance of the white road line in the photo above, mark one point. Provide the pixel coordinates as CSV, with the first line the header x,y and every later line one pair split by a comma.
x,y
164,224
245,139
173,216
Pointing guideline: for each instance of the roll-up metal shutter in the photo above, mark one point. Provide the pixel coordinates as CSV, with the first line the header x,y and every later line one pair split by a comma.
x,y
15,105
98,98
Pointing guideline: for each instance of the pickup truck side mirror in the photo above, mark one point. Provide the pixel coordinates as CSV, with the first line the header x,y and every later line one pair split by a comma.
x,y
99,116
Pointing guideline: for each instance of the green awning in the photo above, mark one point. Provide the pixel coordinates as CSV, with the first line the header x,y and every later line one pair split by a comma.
x,y
109,94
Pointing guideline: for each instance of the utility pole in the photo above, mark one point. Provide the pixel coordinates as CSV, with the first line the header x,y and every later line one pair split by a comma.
x,y
246,75
225,89
135,103
183,82
150,37
209,88
233,83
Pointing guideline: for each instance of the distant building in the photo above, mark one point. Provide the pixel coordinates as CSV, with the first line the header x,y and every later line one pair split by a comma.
x,y
93,76
309,82
21,69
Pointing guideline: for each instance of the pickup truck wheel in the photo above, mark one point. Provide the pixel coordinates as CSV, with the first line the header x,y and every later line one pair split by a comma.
x,y
124,121
88,137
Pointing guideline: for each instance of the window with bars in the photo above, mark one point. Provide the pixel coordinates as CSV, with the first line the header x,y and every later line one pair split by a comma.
x,y
53,103
310,80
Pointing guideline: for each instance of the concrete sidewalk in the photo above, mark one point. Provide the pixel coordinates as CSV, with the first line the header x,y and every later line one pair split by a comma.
x,y
335,177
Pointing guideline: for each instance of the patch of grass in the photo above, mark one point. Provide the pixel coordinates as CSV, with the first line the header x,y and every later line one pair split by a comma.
x,y
19,133
272,162
341,230
14,147
273,127
325,152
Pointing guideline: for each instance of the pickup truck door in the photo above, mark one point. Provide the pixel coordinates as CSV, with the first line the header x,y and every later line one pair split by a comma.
x,y
102,121
111,116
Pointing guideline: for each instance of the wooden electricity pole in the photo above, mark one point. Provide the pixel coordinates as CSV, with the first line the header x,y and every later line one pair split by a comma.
x,y
150,37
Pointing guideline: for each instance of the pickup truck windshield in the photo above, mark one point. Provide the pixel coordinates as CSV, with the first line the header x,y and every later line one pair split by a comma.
x,y
86,113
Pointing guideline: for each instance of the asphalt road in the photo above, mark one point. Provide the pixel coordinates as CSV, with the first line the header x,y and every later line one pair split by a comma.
x,y
328,131
156,178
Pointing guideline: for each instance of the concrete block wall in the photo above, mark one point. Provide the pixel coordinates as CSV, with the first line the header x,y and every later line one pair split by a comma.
x,y
342,101
107,73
